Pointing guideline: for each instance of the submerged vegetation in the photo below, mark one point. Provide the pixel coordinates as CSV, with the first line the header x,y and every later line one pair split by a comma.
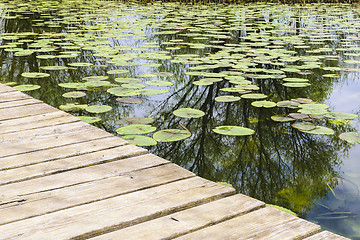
x,y
237,93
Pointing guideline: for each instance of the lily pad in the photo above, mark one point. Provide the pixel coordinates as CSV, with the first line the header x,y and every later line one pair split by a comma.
x,y
80,64
95,78
304,126
288,104
341,115
89,119
171,135
139,140
320,130
35,75
96,84
234,130
153,91
129,100
73,107
282,118
296,84
127,121
26,87
254,96
188,113
159,83
117,71
136,129
265,104
227,98
71,85
351,137
50,68
74,94
123,92
98,108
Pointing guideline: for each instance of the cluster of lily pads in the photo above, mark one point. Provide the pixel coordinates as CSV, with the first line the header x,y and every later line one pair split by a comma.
x,y
237,46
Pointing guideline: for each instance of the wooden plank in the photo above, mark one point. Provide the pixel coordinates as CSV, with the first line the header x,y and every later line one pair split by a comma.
x,y
36,121
59,199
67,164
265,223
61,152
11,148
325,235
117,212
46,132
13,96
190,220
24,111
24,102
82,175
4,88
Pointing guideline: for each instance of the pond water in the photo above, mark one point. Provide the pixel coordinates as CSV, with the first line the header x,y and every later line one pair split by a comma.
x,y
286,76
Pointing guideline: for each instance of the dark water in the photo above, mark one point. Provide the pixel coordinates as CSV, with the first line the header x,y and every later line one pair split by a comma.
x,y
316,176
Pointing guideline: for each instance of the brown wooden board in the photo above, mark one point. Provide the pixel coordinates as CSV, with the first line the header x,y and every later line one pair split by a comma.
x,y
67,164
58,199
265,223
187,221
117,212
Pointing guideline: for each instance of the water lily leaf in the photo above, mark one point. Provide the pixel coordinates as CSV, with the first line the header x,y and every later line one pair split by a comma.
x,y
129,100
164,74
89,119
95,84
26,87
50,68
254,96
341,115
295,80
117,71
153,91
133,85
98,108
72,85
188,113
351,137
159,83
234,130
80,64
300,116
288,104
128,80
304,126
75,94
265,104
123,92
136,129
46,56
227,98
73,107
127,121
282,118
320,130
95,78
202,83
35,75
151,64
296,84
139,140
171,135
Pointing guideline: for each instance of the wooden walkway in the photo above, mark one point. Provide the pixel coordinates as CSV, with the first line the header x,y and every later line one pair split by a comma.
x,y
61,178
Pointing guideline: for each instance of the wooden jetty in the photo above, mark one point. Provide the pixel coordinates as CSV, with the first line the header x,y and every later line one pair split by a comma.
x,y
61,178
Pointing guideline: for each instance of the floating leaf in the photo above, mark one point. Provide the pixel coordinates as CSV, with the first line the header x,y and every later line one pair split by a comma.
x,y
117,71
74,94
89,119
341,115
73,107
129,100
320,130
171,135
296,84
265,104
136,129
54,68
351,137
254,96
282,118
72,85
304,126
234,130
288,104
26,87
188,113
127,121
227,98
95,78
123,92
96,84
35,75
98,108
80,64
139,140
153,91
159,83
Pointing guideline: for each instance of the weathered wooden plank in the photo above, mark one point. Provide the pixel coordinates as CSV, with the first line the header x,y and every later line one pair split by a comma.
x,y
67,164
25,102
117,212
13,96
11,148
51,201
265,223
36,121
24,111
4,88
77,176
189,220
325,235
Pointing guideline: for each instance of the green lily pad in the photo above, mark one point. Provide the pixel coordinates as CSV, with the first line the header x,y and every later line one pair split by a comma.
x,y
304,126
320,130
139,140
159,83
35,75
50,68
95,78
72,85
95,84
296,84
127,121
133,85
234,130
153,91
128,80
265,104
26,87
123,92
98,108
188,113
203,83
46,56
129,100
89,119
282,118
227,98
254,96
151,65
80,64
171,135
341,115
136,129
74,94
117,71
73,107
351,137
288,104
